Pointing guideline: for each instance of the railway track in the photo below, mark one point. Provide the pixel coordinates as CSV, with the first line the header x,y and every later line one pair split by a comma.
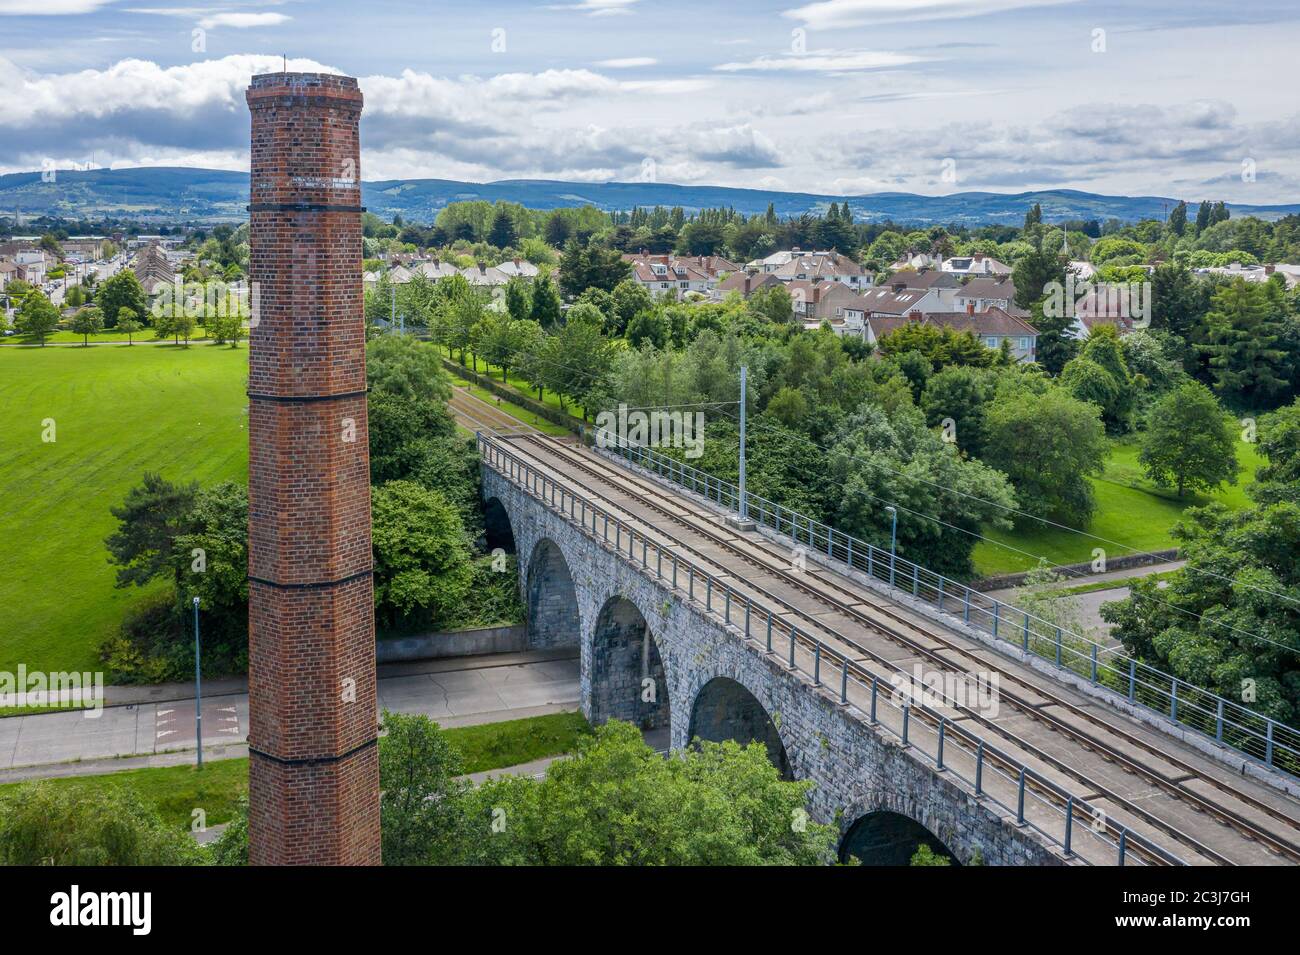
x,y
1176,780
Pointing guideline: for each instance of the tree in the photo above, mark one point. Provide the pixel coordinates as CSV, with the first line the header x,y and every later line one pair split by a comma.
x,y
1178,219
1056,345
123,290
942,500
503,233
1279,442
546,303
519,298
1034,273
615,801
1190,442
628,299
961,394
422,805
578,358
404,366
47,824
223,329
153,515
422,560
590,265
1246,327
36,317
128,322
87,321
1048,444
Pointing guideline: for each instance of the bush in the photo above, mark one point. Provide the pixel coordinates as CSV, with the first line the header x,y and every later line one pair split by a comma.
x,y
44,824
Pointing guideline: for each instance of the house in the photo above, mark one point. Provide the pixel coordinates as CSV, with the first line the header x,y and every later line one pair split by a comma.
x,y
745,283
1114,305
988,292
32,265
828,266
436,269
945,285
678,276
991,326
1249,273
815,302
918,260
484,276
890,302
977,264
518,267
152,268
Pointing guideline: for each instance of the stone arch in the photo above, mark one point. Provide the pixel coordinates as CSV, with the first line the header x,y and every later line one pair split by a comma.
x,y
886,837
553,619
497,529
624,656
725,709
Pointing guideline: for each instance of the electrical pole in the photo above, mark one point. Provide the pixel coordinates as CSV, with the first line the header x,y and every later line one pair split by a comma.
x,y
741,521
744,507
198,688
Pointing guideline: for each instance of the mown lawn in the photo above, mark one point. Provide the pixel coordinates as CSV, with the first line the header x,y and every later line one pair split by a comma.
x,y
66,337
117,412
1130,511
176,791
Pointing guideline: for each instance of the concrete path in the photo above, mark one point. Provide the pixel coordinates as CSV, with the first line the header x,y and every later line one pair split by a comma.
x,y
1090,603
154,726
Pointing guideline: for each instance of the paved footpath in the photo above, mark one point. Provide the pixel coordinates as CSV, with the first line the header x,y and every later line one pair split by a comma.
x,y
154,726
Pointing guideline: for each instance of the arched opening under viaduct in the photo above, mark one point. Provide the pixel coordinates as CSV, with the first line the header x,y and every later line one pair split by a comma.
x,y
628,679
497,531
552,600
724,709
889,838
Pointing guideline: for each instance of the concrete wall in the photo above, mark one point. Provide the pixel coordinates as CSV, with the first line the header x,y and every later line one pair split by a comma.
x,y
857,769
455,643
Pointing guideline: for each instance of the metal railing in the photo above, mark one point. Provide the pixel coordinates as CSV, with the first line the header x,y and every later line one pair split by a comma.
x,y
1062,818
1259,737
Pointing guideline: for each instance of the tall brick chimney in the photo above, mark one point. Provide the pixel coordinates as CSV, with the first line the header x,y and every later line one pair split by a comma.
x,y
312,740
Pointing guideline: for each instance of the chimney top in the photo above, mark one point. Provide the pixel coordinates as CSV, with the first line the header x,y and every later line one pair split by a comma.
x,y
970,308
914,315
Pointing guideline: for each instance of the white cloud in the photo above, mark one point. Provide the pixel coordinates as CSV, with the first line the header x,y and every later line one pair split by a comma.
x,y
835,14
598,8
242,21
823,61
627,62
49,8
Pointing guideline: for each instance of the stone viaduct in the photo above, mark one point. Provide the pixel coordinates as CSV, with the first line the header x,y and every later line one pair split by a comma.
x,y
709,682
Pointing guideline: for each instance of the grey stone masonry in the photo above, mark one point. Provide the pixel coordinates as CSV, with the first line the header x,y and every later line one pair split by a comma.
x,y
857,768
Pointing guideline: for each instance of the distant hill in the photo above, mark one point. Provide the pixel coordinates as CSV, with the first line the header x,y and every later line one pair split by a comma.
x,y
172,193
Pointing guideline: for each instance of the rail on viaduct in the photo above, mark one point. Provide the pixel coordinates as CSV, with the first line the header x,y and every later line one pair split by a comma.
x,y
653,658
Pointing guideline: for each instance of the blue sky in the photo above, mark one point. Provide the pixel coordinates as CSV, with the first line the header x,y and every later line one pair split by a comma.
x,y
842,96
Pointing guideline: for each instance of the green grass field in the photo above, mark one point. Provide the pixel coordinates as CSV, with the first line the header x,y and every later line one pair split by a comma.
x,y
117,412
73,338
1130,511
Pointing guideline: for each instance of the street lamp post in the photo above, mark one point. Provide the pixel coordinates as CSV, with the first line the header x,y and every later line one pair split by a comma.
x,y
198,687
893,540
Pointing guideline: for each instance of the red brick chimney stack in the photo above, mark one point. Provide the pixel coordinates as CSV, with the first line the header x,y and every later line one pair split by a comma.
x,y
313,748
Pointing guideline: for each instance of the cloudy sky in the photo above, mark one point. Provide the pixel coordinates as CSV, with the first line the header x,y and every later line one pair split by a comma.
x,y
1176,97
